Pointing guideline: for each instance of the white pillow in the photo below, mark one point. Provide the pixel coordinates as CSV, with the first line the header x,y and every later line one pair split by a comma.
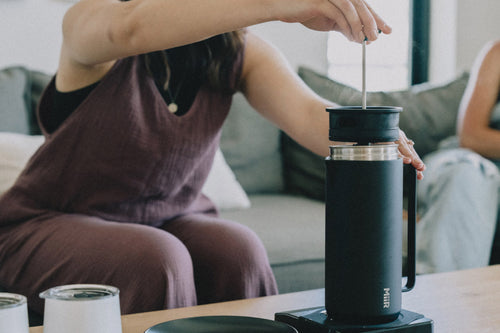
x,y
221,186
15,151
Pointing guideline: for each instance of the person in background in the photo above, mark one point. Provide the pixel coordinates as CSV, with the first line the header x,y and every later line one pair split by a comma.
x,y
458,200
132,121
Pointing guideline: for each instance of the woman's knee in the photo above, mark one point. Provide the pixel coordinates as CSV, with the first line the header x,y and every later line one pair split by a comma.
x,y
154,269
240,249
458,171
229,259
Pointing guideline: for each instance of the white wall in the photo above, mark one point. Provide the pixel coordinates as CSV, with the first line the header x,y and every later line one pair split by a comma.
x,y
30,35
443,51
300,45
479,22
460,28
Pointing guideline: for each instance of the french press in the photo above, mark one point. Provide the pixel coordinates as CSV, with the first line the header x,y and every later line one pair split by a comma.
x,y
364,209
364,216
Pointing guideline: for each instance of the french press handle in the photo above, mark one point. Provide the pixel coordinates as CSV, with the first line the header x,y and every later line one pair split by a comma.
x,y
412,225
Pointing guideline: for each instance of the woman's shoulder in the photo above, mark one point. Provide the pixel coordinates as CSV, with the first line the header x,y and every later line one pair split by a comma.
x,y
488,59
492,48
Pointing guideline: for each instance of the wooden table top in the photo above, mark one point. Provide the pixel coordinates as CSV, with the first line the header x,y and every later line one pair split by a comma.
x,y
462,301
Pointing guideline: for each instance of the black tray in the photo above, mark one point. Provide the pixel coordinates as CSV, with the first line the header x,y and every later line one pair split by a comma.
x,y
221,324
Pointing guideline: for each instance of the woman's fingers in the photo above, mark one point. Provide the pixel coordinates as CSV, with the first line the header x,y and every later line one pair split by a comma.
x,y
343,24
369,30
381,24
362,20
349,12
410,156
353,18
333,20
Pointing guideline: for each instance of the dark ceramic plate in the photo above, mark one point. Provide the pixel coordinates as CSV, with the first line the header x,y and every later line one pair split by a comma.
x,y
221,324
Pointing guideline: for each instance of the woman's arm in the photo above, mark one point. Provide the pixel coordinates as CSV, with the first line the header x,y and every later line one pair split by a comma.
x,y
101,30
480,97
275,91
97,32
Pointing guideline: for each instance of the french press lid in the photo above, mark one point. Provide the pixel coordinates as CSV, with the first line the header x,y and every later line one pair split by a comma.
x,y
364,125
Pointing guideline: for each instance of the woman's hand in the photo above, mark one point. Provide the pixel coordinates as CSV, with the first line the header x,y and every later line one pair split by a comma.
x,y
353,18
409,154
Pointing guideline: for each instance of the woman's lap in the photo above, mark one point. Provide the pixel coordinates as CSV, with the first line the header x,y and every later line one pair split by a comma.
x,y
151,267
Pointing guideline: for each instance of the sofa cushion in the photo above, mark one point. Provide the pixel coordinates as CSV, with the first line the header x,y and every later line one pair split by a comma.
x,y
15,151
20,90
429,111
304,171
251,146
14,96
292,228
222,187
38,82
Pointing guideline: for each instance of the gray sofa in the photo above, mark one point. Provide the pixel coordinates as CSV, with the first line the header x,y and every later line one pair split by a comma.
x,y
284,182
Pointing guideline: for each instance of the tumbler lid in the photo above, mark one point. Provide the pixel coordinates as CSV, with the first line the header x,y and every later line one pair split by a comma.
x,y
80,292
364,126
8,300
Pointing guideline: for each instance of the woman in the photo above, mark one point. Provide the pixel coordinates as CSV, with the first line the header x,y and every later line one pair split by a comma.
x,y
113,196
459,198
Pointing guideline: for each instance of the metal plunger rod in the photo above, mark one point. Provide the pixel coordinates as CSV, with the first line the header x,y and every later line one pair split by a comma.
x,y
363,85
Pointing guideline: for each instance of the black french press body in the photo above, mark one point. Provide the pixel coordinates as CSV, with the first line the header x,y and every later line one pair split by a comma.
x,y
364,217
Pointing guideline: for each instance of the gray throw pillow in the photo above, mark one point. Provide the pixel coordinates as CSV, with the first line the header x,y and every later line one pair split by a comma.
x,y
429,111
304,171
20,90
14,94
251,146
38,83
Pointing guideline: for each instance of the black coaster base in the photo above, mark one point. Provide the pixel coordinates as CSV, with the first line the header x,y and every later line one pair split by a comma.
x,y
315,320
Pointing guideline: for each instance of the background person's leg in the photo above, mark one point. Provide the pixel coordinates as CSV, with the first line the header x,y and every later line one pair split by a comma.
x,y
457,202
